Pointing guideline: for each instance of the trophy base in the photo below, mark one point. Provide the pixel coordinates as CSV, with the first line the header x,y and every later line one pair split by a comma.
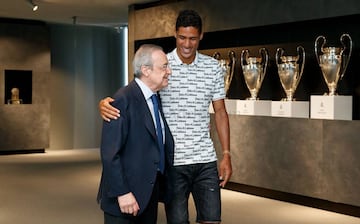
x,y
246,107
331,107
254,107
230,105
296,109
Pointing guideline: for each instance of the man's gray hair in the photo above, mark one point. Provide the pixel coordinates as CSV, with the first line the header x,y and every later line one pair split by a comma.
x,y
143,57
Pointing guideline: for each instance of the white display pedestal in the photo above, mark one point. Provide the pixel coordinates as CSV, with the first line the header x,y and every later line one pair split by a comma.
x,y
231,106
254,107
331,107
247,107
298,109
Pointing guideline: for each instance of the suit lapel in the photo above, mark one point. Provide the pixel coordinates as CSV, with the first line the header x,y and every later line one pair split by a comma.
x,y
142,108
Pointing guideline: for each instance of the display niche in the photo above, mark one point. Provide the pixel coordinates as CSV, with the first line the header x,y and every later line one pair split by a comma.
x,y
18,87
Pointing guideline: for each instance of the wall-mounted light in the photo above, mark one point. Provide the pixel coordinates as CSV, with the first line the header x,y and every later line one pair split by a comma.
x,y
33,5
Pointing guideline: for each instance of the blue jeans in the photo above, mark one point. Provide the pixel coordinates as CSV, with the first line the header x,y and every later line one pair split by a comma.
x,y
202,181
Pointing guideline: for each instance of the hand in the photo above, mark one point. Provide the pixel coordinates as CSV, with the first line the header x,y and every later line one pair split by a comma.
x,y
225,170
128,204
107,111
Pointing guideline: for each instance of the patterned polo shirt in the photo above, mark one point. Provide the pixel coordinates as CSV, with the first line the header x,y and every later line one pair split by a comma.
x,y
186,103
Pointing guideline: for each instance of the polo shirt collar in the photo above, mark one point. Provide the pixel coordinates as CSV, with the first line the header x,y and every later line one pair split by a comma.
x,y
178,60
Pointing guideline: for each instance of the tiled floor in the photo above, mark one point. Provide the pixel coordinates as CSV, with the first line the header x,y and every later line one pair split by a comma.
x,y
60,187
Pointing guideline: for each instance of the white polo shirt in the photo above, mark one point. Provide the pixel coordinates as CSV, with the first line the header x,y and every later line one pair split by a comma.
x,y
186,103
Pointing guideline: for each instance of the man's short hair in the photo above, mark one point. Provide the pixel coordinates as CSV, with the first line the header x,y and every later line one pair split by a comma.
x,y
189,18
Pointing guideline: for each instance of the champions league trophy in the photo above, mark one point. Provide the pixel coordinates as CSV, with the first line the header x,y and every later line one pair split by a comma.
x,y
254,70
333,62
228,66
290,69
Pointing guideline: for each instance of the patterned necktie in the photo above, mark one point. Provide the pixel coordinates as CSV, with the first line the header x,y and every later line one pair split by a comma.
x,y
159,133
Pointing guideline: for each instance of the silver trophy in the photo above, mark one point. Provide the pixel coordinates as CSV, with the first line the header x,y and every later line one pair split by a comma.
x,y
254,70
229,68
290,69
333,61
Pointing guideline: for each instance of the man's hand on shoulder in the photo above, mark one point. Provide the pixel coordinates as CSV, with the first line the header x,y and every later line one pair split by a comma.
x,y
108,112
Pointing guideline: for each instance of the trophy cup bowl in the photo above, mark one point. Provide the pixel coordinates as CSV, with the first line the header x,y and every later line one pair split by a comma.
x,y
333,61
254,70
290,70
228,66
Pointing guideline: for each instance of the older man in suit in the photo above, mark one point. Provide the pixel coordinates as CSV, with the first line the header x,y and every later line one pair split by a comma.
x,y
137,149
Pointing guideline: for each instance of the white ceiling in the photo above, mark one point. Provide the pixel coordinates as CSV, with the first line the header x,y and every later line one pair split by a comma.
x,y
86,12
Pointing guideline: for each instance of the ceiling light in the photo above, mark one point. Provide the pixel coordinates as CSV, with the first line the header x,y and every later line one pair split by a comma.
x,y
33,5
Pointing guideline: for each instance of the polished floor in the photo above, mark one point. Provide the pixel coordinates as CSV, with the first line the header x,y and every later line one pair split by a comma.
x,y
60,186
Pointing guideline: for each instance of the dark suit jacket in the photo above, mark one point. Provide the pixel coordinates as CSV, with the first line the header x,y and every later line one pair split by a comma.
x,y
130,152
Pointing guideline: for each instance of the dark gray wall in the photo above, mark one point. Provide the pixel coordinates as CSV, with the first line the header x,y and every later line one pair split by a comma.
x,y
73,67
86,66
24,46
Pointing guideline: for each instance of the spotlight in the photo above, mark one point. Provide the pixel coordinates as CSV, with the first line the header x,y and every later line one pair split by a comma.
x,y
33,5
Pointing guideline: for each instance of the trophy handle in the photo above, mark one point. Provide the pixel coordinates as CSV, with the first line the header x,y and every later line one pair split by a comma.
x,y
264,60
347,59
232,63
244,57
278,55
301,55
318,41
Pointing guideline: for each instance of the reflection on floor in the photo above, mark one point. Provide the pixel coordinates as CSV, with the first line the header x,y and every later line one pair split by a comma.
x,y
60,187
